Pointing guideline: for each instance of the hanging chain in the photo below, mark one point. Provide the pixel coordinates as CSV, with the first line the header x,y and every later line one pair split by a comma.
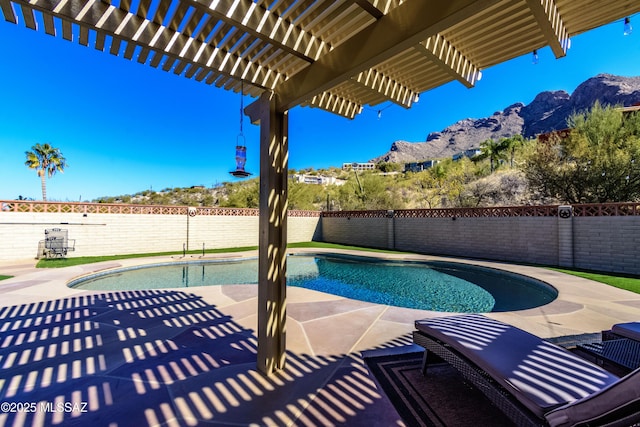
x,y
241,104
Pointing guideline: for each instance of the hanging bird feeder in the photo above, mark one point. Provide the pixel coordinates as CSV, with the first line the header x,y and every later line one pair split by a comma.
x,y
241,145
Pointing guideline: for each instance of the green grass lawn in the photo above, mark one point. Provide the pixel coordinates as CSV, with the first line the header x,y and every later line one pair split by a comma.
x,y
629,283
67,262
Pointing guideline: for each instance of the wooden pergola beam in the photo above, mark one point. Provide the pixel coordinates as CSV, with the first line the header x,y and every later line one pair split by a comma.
x,y
551,24
402,28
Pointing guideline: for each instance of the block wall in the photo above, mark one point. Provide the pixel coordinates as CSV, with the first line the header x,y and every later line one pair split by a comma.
x,y
600,237
607,243
604,243
109,234
505,239
368,232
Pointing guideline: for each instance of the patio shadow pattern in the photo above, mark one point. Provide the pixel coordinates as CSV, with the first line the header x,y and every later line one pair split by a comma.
x,y
164,358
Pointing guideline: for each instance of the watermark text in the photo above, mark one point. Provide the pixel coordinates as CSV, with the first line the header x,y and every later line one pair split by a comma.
x,y
49,407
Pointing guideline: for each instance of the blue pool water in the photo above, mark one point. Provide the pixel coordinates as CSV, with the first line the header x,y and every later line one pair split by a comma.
x,y
438,286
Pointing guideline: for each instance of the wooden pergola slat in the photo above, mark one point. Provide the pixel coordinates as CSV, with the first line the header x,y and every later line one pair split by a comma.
x,y
401,29
551,24
285,41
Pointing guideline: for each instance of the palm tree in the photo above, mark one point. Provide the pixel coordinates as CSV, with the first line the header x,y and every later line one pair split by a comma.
x,y
46,160
511,145
492,150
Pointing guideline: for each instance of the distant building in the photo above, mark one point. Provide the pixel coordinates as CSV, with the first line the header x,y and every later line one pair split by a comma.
x,y
467,153
359,166
316,179
420,166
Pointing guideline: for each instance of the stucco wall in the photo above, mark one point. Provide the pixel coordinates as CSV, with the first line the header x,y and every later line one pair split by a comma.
x,y
113,233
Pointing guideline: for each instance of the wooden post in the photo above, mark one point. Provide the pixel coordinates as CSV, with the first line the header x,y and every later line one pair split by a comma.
x,y
272,261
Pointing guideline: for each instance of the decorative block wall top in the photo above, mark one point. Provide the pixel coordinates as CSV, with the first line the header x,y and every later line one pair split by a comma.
x,y
583,210
119,208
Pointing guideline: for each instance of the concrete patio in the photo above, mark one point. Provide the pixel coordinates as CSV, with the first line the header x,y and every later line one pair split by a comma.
x,y
188,356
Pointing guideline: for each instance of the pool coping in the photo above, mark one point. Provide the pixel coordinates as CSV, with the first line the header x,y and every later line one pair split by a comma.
x,y
582,305
436,264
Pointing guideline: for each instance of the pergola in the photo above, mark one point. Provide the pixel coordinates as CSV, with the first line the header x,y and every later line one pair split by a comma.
x,y
335,55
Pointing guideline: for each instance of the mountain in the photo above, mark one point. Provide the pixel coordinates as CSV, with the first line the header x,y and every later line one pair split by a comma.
x,y
547,112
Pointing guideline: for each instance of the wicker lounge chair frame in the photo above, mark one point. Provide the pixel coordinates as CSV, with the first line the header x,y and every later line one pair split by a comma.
x,y
622,352
625,413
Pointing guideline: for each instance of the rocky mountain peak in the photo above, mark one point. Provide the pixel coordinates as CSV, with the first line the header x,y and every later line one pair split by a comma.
x,y
610,90
548,111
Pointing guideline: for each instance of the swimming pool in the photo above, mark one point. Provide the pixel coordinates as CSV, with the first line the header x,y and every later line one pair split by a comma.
x,y
433,285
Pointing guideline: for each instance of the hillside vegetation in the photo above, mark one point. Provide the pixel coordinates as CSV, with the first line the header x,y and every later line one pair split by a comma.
x,y
598,161
449,184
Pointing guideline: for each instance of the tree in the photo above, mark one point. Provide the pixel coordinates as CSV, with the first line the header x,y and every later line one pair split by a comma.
x,y
307,196
389,167
510,145
428,183
598,162
492,150
46,160
459,175
245,194
367,191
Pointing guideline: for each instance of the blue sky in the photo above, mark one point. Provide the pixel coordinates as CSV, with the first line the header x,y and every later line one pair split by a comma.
x,y
126,127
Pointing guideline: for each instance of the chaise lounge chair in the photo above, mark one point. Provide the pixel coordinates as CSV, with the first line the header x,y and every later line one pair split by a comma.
x,y
629,330
620,346
531,380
